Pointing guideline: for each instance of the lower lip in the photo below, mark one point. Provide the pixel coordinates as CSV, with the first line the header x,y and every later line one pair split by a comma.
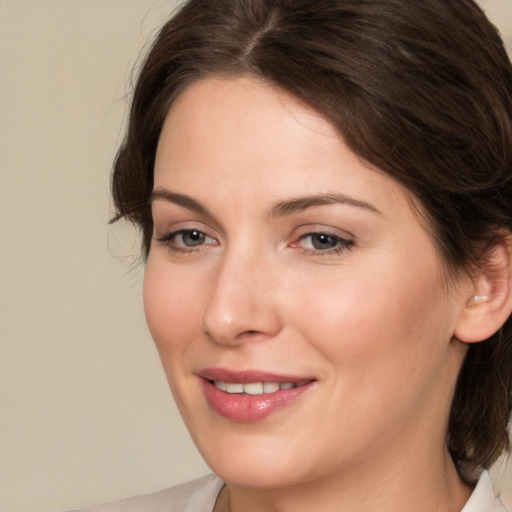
x,y
246,408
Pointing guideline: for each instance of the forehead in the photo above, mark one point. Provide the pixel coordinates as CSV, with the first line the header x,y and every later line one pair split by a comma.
x,y
233,110
245,132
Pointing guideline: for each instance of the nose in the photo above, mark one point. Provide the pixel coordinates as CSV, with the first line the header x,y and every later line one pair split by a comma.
x,y
242,304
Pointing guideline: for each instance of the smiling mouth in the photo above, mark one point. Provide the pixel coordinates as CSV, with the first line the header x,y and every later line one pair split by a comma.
x,y
243,398
256,388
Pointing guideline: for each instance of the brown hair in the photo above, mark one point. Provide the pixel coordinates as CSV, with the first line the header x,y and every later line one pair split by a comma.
x,y
422,89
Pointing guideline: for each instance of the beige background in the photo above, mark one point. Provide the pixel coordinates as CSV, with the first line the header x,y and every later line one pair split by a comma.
x,y
85,414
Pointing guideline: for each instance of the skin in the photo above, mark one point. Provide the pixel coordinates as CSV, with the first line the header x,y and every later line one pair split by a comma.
x,y
371,319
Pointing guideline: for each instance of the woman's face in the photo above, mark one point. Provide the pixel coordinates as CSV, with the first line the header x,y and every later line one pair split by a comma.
x,y
296,302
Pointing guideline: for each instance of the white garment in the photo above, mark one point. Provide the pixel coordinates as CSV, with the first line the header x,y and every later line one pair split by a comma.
x,y
200,496
482,498
196,496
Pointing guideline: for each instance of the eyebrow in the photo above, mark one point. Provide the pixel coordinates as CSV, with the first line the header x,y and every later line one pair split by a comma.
x,y
179,199
300,204
280,209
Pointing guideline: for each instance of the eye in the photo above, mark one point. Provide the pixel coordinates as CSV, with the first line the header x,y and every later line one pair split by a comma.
x,y
190,238
321,241
186,239
324,242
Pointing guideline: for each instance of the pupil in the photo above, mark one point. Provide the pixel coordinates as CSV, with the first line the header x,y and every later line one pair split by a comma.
x,y
323,241
194,238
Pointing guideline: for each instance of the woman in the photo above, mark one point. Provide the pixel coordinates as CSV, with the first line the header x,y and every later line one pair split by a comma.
x,y
324,191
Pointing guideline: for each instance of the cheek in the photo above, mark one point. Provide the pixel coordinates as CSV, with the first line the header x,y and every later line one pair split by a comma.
x,y
380,337
171,307
172,310
371,322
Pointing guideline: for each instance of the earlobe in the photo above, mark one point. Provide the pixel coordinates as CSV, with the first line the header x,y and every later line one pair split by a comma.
x,y
489,298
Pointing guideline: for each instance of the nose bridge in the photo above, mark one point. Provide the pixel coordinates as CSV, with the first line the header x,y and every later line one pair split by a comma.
x,y
240,301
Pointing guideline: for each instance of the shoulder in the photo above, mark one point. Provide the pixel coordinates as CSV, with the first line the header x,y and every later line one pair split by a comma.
x,y
195,496
483,498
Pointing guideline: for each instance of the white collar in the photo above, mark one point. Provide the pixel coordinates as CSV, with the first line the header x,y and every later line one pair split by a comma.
x,y
483,499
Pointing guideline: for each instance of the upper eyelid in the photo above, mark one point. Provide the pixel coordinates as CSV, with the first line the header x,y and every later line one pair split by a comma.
x,y
167,222
171,233
161,197
168,225
328,233
167,230
314,228
342,239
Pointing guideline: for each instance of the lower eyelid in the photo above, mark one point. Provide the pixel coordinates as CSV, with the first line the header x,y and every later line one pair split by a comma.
x,y
334,252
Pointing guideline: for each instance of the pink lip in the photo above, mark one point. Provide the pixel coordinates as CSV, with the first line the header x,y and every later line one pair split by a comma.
x,y
246,408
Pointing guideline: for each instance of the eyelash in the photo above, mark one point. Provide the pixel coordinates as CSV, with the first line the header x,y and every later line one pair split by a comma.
x,y
343,244
168,238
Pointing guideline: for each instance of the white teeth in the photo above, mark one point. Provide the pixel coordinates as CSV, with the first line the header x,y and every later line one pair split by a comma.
x,y
270,387
221,385
235,388
256,388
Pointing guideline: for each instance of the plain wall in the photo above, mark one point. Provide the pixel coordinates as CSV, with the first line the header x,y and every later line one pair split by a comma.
x,y
85,412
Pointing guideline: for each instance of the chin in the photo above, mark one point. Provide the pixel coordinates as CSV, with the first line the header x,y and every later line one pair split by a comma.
x,y
264,475
255,463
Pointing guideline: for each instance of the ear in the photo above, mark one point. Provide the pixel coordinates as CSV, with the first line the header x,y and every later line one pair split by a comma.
x,y
488,301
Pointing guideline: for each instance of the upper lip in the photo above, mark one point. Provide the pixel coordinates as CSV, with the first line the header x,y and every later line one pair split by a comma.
x,y
248,376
